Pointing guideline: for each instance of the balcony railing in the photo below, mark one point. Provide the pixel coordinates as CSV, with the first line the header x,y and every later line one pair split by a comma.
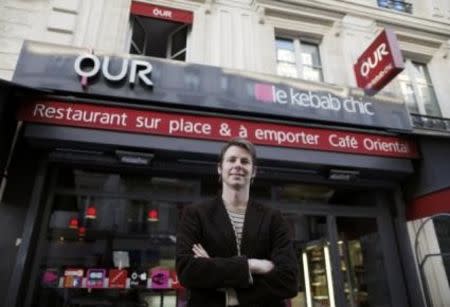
x,y
396,5
420,121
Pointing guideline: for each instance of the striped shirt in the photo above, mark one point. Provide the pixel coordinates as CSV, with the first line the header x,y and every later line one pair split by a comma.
x,y
237,221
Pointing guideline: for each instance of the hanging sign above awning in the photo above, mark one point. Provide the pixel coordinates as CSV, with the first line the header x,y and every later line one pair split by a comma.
x,y
379,63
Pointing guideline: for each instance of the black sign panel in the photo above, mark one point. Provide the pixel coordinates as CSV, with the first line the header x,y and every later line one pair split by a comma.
x,y
157,81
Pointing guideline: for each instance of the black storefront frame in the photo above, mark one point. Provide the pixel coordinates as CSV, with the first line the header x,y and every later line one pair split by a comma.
x,y
32,227
45,190
388,239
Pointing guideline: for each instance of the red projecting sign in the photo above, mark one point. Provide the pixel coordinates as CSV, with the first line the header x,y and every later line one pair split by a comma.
x,y
160,12
214,128
379,63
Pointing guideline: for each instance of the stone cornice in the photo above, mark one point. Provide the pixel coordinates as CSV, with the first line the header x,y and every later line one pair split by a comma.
x,y
330,8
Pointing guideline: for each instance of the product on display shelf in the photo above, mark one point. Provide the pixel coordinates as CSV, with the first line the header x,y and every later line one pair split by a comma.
x,y
50,277
73,278
118,278
160,278
138,278
95,278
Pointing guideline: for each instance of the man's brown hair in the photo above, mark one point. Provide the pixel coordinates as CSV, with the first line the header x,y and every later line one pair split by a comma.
x,y
239,142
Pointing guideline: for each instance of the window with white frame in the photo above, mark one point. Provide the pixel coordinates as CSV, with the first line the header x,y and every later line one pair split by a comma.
x,y
158,38
176,48
417,89
298,59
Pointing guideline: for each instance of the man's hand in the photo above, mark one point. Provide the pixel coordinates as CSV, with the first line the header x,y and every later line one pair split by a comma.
x,y
260,266
256,266
199,251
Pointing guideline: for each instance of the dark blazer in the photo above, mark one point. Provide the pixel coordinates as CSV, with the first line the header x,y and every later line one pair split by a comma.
x,y
265,236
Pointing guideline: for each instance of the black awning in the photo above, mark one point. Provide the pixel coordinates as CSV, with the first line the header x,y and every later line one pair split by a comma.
x,y
9,86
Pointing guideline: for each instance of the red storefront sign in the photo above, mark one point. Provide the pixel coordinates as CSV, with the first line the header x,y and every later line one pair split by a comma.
x,y
160,12
379,63
214,128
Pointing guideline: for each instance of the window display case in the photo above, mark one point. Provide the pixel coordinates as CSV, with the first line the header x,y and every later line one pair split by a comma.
x,y
319,279
110,241
318,276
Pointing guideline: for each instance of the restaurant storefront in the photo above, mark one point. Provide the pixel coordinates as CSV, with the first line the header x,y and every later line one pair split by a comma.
x,y
121,144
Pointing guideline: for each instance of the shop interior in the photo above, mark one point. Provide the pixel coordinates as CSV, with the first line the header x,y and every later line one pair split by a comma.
x,y
108,238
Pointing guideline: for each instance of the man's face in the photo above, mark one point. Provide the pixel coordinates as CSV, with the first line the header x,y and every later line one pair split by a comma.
x,y
237,168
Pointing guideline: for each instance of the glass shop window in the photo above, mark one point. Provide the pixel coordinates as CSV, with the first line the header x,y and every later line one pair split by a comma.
x,y
110,241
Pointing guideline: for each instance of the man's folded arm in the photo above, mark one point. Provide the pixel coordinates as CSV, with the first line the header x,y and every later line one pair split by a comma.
x,y
281,282
199,272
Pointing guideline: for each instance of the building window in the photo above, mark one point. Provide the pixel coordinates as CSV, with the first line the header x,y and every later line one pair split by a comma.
x,y
176,48
298,59
159,31
396,5
417,89
158,38
139,37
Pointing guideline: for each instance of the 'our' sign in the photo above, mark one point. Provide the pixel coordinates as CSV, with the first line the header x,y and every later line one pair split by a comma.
x,y
89,66
379,63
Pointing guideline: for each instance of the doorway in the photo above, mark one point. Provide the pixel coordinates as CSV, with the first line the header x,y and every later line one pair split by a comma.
x,y
342,260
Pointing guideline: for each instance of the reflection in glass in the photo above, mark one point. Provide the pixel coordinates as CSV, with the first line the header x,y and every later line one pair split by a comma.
x,y
408,94
362,262
310,54
295,192
315,277
311,66
417,89
312,74
428,97
286,55
317,270
287,70
282,43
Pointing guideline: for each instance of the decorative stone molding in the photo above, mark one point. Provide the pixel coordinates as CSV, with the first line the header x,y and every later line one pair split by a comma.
x,y
63,16
419,46
437,10
261,15
357,8
208,6
295,22
68,6
446,49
